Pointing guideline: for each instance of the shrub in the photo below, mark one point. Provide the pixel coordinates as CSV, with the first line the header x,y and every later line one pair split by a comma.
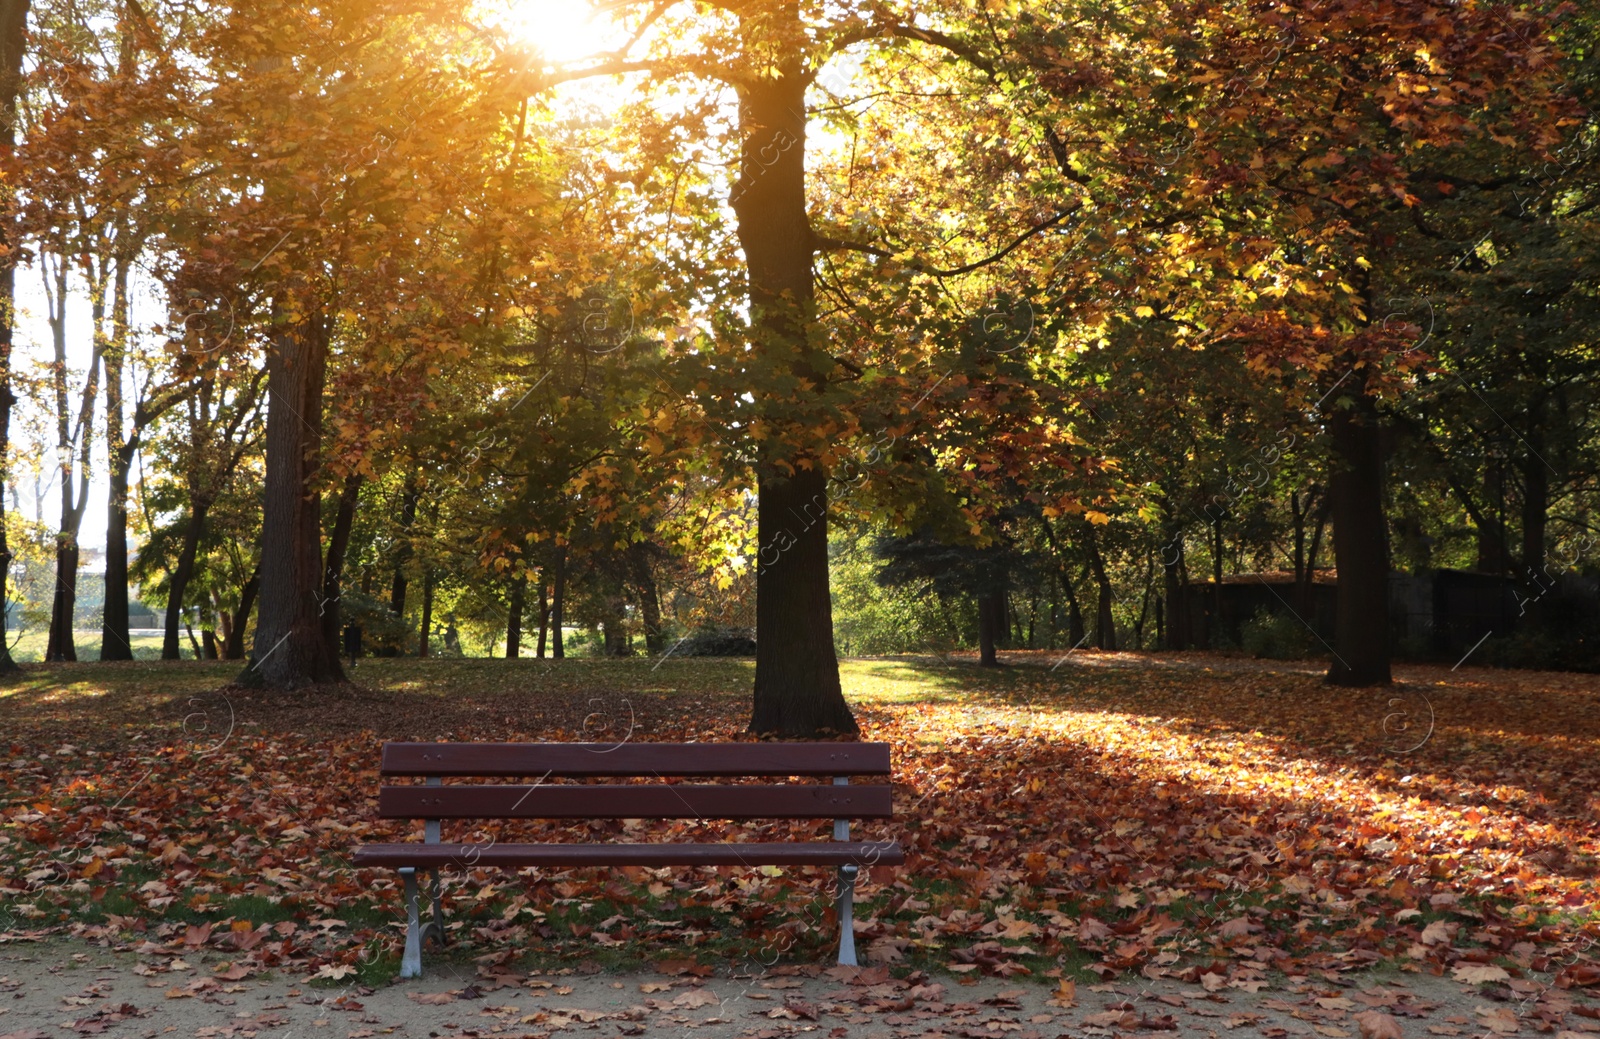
x,y
718,642
1276,636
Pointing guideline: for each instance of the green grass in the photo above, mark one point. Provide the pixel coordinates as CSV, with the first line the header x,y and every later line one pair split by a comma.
x,y
29,646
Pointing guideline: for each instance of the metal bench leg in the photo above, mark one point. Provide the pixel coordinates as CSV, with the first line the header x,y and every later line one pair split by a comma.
x,y
435,925
411,962
847,930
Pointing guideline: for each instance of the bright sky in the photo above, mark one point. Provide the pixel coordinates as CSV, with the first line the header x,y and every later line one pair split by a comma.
x,y
562,30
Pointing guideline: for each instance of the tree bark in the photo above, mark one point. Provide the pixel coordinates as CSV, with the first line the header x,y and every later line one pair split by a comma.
x,y
519,596
13,42
60,645
234,649
797,691
402,556
1360,548
1535,513
1105,625
544,612
1172,568
558,602
333,568
115,643
290,651
181,576
649,597
427,613
991,610
1493,546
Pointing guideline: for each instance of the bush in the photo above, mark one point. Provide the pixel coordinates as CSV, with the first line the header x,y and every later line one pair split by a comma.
x,y
1276,636
718,642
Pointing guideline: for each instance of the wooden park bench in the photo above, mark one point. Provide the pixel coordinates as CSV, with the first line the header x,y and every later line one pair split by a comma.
x,y
433,802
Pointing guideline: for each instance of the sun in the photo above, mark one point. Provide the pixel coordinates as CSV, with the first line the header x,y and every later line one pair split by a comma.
x,y
561,31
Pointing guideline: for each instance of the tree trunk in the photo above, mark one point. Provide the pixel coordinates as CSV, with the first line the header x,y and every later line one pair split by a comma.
x,y
558,602
181,576
115,643
290,650
544,612
1535,514
991,611
427,613
13,41
1493,549
234,649
1172,567
1105,625
1075,632
60,646
1360,548
208,642
1144,603
519,595
797,692
333,567
402,556
649,597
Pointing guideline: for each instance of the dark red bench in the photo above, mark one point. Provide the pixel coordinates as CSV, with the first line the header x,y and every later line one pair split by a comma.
x,y
433,801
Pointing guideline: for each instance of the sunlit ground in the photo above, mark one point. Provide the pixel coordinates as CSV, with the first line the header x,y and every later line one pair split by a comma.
x,y
1163,795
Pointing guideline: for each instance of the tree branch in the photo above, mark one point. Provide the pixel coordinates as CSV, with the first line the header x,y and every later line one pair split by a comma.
x,y
895,30
824,244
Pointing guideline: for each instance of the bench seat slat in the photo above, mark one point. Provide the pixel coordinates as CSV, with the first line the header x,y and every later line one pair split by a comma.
x,y
652,801
591,760
814,853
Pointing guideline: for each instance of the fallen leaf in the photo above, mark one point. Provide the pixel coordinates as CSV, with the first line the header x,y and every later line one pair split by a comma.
x,y
1375,1024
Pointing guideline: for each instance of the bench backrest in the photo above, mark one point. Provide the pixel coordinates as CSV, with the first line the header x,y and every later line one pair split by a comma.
x,y
543,762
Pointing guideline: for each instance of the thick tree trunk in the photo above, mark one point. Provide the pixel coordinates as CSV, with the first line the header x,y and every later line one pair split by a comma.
x,y
558,603
13,41
290,650
649,597
234,650
519,596
59,646
333,567
991,610
181,576
1360,548
797,675
1493,549
797,692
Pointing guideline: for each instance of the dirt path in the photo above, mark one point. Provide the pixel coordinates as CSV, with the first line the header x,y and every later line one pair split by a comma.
x,y
59,989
